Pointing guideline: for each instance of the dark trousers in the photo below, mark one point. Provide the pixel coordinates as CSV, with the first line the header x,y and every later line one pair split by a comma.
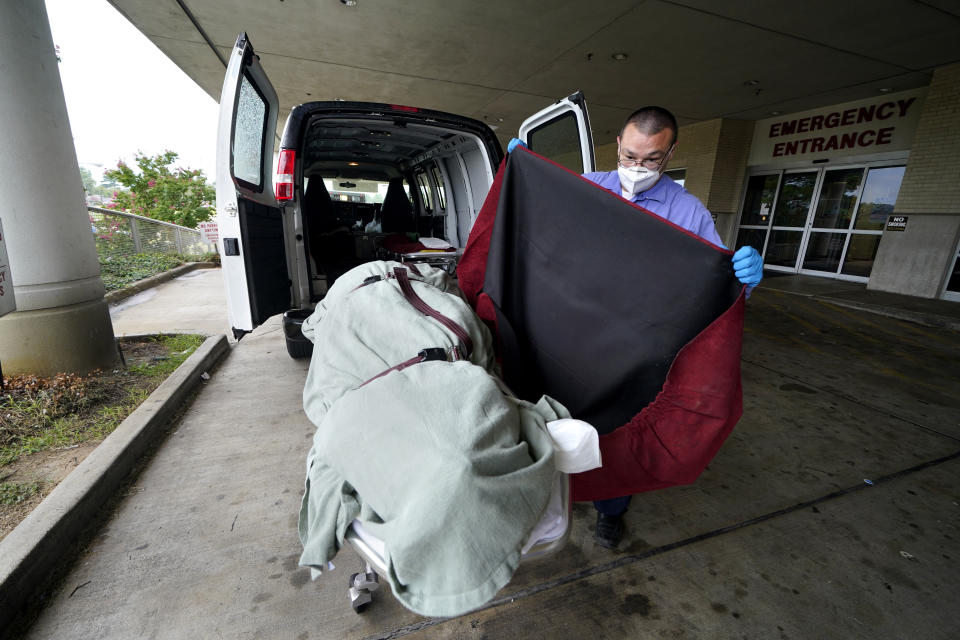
x,y
612,506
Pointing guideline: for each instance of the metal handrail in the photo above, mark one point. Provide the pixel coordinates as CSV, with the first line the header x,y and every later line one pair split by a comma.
x,y
126,214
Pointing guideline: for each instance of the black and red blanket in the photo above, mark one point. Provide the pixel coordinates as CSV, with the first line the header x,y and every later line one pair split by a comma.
x,y
633,323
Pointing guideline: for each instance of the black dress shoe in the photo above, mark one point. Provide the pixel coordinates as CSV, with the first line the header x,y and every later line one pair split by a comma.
x,y
609,530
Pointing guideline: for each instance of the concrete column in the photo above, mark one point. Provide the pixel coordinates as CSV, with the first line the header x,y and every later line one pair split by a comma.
x,y
62,322
917,260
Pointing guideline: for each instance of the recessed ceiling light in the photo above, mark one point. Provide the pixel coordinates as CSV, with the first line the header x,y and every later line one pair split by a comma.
x,y
775,113
351,163
885,89
349,3
619,56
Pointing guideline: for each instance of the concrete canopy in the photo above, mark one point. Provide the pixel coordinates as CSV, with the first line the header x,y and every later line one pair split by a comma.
x,y
500,61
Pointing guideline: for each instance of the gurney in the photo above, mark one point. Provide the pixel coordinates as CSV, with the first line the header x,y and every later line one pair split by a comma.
x,y
432,251
549,535
481,464
664,405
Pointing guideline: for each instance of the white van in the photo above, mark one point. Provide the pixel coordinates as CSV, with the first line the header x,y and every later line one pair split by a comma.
x,y
349,177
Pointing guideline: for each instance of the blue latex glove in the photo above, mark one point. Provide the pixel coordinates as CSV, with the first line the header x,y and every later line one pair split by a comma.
x,y
748,266
514,143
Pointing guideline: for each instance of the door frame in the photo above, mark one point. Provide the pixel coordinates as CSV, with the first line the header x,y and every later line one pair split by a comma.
x,y
574,104
953,296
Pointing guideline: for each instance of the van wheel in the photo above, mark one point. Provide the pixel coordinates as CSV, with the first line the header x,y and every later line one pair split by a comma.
x,y
299,349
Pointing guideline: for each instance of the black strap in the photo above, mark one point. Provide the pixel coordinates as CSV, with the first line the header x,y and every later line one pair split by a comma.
x,y
434,353
466,344
461,352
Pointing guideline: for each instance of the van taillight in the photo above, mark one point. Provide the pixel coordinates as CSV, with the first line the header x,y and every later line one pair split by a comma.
x,y
283,185
400,107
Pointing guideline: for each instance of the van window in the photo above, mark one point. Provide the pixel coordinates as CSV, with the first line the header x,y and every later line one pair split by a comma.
x,y
249,136
425,190
559,140
438,180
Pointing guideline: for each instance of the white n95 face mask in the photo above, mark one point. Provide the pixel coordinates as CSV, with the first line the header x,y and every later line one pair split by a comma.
x,y
637,179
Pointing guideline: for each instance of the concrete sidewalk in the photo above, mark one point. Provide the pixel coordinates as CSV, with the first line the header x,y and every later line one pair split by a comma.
x,y
194,302
833,510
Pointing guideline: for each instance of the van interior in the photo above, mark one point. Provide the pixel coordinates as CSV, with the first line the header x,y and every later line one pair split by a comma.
x,y
374,185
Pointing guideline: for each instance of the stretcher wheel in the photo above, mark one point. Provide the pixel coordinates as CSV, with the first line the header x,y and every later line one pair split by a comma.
x,y
361,588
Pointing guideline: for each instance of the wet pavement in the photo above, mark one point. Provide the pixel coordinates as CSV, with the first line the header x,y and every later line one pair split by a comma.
x,y
832,511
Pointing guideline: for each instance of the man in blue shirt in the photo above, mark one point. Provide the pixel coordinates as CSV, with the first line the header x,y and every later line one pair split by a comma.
x,y
644,147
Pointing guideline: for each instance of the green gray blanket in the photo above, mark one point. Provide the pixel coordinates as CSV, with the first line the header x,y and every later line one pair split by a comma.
x,y
436,461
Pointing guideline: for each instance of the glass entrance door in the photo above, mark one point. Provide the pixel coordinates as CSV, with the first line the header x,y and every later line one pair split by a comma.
x,y
790,213
952,290
829,229
839,236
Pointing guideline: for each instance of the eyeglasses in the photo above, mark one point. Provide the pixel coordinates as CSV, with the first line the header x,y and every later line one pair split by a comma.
x,y
649,163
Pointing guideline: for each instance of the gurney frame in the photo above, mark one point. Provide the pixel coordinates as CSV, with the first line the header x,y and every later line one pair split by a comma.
x,y
363,584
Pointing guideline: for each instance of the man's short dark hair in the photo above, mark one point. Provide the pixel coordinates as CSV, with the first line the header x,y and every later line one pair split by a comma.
x,y
652,120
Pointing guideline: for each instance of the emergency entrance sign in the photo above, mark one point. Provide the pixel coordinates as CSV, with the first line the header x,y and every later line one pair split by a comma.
x,y
7,303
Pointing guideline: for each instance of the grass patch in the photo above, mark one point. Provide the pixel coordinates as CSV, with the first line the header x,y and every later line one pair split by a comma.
x,y
12,493
119,271
38,414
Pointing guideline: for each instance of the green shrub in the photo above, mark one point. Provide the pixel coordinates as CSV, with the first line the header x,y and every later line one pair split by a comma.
x,y
119,271
39,413
12,493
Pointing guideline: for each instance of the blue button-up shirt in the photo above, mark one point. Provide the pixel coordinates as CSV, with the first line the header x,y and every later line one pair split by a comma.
x,y
668,200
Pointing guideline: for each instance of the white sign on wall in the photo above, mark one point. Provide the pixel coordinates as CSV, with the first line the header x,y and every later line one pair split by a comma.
x,y
876,125
7,302
209,231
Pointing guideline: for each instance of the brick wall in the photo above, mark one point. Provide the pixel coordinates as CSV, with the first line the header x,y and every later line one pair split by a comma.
x,y
916,260
697,153
931,183
730,168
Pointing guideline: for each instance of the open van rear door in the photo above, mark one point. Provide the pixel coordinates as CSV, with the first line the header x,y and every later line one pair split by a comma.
x,y
561,132
249,218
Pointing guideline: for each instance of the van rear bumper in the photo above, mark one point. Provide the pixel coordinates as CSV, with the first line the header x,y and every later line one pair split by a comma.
x,y
293,324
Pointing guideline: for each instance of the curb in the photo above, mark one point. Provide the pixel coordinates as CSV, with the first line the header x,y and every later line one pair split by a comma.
x,y
917,317
44,540
138,286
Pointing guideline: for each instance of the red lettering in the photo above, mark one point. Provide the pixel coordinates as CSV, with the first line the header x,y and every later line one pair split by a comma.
x,y
778,150
866,113
787,128
803,145
885,135
791,149
904,105
832,120
831,144
862,139
1,291
774,129
849,117
885,105
848,140
816,122
817,145
804,125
